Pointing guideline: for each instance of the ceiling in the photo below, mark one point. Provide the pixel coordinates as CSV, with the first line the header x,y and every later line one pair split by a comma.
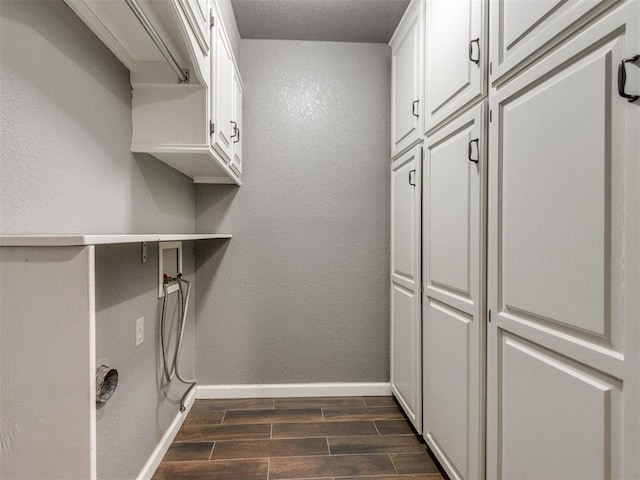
x,y
369,21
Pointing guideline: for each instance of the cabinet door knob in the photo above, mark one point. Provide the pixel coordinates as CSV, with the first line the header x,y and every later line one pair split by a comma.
x,y
471,57
412,177
414,108
470,151
622,78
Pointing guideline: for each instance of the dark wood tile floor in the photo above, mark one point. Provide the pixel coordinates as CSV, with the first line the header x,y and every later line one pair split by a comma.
x,y
345,438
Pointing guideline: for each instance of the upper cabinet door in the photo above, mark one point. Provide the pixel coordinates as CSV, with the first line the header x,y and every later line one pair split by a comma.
x,y
456,58
236,161
222,96
523,30
406,79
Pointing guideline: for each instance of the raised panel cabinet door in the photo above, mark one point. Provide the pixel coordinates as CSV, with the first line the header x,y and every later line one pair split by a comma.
x,y
236,161
455,57
523,30
563,367
406,79
453,300
406,348
222,95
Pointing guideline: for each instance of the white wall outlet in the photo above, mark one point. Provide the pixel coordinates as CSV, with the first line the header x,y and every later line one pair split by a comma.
x,y
139,331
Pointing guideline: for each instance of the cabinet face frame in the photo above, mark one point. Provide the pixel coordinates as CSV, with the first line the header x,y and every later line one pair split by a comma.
x,y
546,344
454,297
406,282
407,41
439,54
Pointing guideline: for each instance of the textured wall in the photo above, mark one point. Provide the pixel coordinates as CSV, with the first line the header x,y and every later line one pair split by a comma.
x,y
301,292
132,422
65,164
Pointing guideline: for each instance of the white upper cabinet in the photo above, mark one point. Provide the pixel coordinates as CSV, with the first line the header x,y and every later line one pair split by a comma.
x,y
236,160
222,98
456,57
182,25
183,119
523,30
406,79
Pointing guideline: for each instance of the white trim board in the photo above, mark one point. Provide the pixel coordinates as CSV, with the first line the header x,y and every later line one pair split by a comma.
x,y
165,442
294,390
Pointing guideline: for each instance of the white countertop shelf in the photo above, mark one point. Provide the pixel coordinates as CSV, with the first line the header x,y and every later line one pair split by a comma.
x,y
78,240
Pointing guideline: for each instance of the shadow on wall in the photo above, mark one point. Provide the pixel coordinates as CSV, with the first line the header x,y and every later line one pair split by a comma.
x,y
213,204
166,189
208,254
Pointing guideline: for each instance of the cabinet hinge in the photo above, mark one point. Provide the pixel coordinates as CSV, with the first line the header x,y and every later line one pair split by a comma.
x,y
212,128
489,315
490,68
490,116
212,21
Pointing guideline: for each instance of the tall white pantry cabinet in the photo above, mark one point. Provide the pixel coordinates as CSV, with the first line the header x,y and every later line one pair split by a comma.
x,y
530,238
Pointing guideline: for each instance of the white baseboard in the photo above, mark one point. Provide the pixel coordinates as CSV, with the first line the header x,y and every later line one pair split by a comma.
x,y
293,390
165,442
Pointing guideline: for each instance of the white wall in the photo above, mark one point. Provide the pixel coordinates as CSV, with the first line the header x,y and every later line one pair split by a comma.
x,y
301,292
65,164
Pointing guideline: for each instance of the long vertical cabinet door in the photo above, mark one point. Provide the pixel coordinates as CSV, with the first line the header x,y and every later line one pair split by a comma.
x,y
222,97
563,344
456,57
525,30
236,161
406,78
406,381
453,299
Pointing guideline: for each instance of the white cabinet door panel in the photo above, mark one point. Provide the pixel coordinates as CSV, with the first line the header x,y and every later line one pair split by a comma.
x,y
580,408
563,347
222,72
453,300
406,347
447,384
456,56
406,79
523,30
404,211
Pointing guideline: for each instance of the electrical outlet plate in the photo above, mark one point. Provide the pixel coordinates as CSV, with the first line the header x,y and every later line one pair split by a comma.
x,y
169,263
139,331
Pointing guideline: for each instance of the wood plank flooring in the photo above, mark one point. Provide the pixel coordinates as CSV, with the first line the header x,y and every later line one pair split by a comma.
x,y
338,438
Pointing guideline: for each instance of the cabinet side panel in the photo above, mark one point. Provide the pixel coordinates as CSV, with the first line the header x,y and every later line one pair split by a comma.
x,y
46,383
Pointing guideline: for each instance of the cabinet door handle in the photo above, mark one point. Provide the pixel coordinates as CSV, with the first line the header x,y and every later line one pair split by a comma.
x,y
412,177
234,129
237,136
471,58
622,78
470,151
414,108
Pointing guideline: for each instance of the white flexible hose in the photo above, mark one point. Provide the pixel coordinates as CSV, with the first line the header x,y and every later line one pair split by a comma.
x,y
174,371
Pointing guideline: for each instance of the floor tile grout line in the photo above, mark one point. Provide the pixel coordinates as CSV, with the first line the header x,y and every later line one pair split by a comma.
x,y
271,432
211,452
375,425
328,446
224,415
394,465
